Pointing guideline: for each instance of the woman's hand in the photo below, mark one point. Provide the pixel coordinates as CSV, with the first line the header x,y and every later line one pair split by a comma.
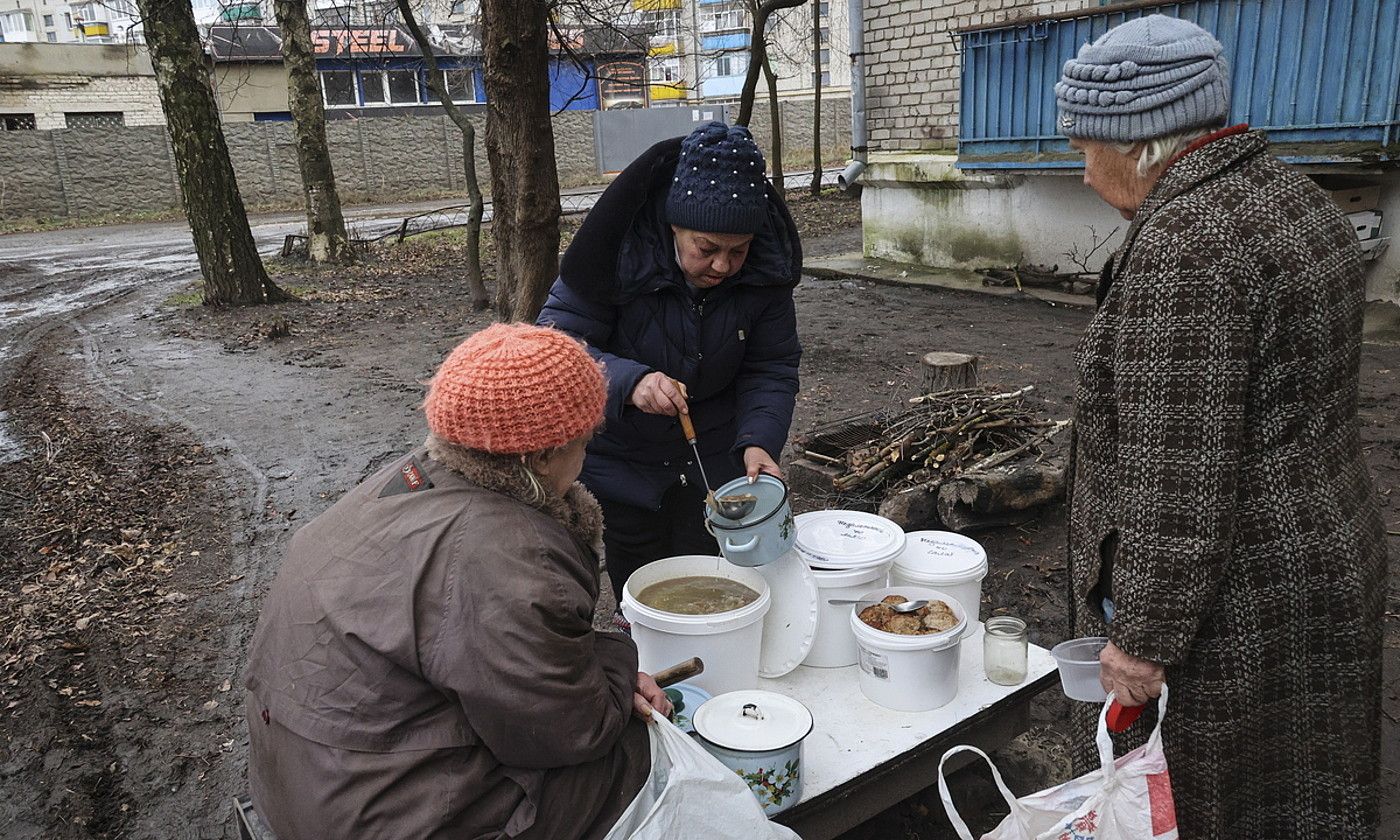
x,y
1133,680
649,697
757,460
658,393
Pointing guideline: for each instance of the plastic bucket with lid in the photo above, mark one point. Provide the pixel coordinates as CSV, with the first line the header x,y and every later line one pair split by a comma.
x,y
849,553
729,643
909,673
847,539
947,562
1078,661
835,644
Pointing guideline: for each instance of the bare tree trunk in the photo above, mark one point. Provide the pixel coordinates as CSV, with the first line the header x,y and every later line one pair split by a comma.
x,y
760,10
476,285
817,161
775,117
520,146
326,240
233,271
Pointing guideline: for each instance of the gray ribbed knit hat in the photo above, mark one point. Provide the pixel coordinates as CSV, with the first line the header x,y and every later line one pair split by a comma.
x,y
1147,78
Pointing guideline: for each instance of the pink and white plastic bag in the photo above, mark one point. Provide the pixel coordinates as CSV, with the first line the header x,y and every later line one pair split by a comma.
x,y
1126,799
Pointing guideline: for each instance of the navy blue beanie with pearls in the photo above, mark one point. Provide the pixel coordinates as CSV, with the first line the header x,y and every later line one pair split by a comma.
x,y
719,185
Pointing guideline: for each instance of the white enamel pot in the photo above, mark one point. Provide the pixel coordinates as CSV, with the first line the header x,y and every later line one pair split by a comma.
x,y
758,735
765,533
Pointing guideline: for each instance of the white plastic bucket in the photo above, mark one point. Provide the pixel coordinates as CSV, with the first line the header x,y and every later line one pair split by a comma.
x,y
728,643
835,643
909,673
947,562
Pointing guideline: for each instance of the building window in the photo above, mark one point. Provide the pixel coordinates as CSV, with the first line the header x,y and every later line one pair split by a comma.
x,y
460,83
338,88
403,87
94,119
664,23
52,36
824,58
731,65
824,9
68,19
721,20
16,122
14,25
825,34
665,70
335,13
372,87
48,20
826,78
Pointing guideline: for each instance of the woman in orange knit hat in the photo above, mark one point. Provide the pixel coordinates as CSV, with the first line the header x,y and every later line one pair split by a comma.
x,y
425,664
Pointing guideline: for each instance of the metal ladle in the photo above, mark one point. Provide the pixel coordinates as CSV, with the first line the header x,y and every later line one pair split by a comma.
x,y
736,506
906,607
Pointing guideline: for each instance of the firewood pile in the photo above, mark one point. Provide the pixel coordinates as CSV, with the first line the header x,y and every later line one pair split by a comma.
x,y
967,441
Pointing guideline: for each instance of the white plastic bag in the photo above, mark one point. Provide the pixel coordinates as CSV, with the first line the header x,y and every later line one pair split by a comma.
x,y
1127,799
690,794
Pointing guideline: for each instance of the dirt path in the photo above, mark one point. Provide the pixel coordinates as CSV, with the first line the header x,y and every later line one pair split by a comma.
x,y
207,433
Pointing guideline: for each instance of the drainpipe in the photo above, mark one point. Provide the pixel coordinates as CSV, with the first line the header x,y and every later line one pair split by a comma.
x,y
855,20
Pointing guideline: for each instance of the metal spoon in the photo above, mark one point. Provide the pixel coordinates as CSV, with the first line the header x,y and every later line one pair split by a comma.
x,y
906,607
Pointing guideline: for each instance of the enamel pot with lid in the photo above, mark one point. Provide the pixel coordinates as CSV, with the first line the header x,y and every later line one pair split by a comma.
x,y
758,735
764,532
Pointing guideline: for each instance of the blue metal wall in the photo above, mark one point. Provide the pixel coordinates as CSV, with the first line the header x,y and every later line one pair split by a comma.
x,y
1313,73
572,88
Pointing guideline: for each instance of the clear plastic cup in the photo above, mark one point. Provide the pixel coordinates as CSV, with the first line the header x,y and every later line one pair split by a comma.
x,y
1078,661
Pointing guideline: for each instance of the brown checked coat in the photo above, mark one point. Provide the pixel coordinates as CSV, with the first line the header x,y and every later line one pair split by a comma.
x,y
1220,497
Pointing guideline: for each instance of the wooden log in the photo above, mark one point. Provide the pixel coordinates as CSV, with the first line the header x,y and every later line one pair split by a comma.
x,y
912,509
810,477
948,371
995,497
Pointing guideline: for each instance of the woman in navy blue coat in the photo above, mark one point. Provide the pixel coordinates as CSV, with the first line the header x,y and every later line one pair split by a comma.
x,y
680,280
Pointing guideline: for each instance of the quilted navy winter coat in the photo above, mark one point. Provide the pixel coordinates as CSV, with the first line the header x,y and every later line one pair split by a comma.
x,y
735,348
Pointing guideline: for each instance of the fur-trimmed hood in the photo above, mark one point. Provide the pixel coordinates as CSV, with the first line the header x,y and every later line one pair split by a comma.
x,y
576,510
625,248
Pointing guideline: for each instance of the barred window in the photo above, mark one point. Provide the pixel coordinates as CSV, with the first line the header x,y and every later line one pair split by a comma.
x,y
94,119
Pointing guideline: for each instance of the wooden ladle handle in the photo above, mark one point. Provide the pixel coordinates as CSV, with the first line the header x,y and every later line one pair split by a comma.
x,y
678,673
688,428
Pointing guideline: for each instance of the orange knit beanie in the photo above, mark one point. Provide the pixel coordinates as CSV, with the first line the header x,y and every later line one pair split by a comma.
x,y
516,388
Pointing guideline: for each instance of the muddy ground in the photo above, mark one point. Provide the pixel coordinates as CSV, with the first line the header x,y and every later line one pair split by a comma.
x,y
168,452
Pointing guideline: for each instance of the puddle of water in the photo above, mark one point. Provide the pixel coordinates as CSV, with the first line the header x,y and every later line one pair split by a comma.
x,y
11,450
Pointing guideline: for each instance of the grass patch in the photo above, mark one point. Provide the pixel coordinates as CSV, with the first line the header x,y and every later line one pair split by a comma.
x,y
191,295
41,224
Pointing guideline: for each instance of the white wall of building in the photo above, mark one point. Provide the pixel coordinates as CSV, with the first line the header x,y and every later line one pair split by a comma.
x,y
918,208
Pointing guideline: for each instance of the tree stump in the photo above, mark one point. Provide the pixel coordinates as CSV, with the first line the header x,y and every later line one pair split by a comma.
x,y
948,371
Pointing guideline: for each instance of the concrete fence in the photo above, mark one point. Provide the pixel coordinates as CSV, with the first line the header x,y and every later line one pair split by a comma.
x,y
92,172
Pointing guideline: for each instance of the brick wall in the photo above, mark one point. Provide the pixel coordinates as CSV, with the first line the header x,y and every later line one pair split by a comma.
x,y
49,97
912,65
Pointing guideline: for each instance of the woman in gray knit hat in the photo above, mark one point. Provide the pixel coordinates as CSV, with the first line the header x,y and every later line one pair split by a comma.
x,y
1223,529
